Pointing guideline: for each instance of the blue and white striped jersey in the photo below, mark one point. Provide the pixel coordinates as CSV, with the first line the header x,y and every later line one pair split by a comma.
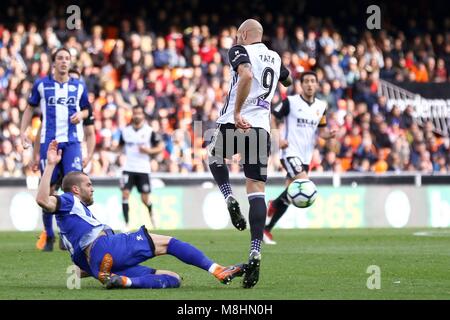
x,y
58,102
77,225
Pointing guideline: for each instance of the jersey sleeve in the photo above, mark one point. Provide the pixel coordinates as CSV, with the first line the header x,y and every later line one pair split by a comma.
x,y
323,120
35,96
282,109
284,73
84,100
155,138
90,119
238,55
64,203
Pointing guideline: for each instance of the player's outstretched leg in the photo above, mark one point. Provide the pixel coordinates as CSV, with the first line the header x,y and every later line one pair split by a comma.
x,y
222,178
276,210
193,256
257,217
131,277
150,281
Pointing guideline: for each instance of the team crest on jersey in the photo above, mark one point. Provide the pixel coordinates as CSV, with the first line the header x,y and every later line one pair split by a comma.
x,y
72,88
77,163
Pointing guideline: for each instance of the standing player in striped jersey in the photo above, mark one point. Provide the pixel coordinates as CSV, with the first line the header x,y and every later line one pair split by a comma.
x,y
88,130
64,105
140,142
302,115
244,128
89,136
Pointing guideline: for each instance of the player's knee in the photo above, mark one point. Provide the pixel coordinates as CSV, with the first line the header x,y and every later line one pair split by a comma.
x,y
171,274
125,194
161,243
145,198
255,185
172,281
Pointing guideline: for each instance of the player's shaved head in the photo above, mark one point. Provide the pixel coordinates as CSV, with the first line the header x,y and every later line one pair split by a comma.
x,y
250,31
84,189
71,179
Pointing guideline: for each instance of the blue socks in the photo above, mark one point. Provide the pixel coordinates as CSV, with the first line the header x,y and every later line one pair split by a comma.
x,y
189,254
47,218
155,281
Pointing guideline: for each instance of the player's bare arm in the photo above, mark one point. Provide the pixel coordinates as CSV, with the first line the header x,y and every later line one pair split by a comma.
x,y
287,82
89,135
152,150
79,116
24,124
326,133
275,133
243,89
35,158
44,199
285,76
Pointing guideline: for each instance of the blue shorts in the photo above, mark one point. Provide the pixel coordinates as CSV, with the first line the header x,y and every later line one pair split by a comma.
x,y
70,160
127,251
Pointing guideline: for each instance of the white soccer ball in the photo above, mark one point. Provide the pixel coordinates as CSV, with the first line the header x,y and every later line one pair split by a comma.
x,y
302,193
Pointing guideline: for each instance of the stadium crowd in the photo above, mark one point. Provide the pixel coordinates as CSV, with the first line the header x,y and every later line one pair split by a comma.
x,y
173,61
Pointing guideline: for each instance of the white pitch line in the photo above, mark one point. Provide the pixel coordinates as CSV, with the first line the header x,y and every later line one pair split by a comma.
x,y
432,233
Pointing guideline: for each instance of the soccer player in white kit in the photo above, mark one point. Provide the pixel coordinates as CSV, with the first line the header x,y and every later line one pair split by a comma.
x,y
302,115
244,128
140,142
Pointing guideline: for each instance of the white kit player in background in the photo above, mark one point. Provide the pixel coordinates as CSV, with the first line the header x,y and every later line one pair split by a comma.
x,y
140,142
244,128
302,115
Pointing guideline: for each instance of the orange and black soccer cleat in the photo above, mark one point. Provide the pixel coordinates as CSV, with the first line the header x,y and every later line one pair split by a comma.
x,y
226,274
115,281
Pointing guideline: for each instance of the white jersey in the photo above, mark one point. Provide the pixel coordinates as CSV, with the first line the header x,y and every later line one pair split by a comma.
x,y
301,120
267,70
132,139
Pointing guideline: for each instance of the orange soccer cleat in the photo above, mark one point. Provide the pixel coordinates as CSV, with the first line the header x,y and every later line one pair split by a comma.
x,y
42,241
226,274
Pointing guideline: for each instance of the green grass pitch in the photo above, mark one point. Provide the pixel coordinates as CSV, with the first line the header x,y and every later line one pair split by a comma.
x,y
305,264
